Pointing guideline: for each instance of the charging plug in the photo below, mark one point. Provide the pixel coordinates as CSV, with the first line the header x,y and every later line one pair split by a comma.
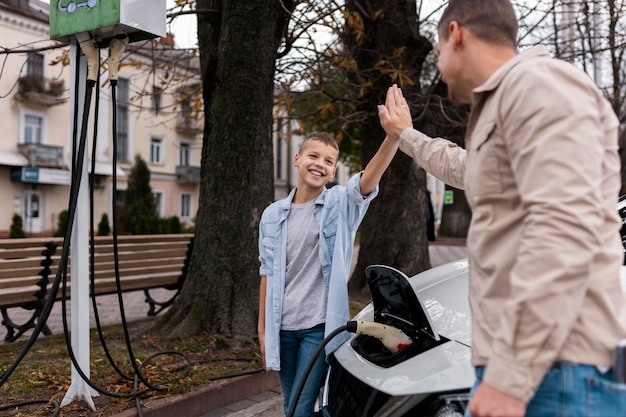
x,y
116,49
92,54
391,337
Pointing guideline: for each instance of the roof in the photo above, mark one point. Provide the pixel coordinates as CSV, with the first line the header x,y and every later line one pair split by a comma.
x,y
34,9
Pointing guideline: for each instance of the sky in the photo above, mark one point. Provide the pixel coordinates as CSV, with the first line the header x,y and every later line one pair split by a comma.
x,y
184,27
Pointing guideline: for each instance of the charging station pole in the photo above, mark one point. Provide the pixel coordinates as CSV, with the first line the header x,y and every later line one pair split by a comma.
x,y
98,21
79,247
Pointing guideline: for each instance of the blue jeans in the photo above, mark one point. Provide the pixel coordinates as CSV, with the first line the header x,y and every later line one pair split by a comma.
x,y
296,350
573,390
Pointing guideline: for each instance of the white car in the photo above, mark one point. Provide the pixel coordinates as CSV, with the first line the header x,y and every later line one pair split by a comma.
x,y
431,377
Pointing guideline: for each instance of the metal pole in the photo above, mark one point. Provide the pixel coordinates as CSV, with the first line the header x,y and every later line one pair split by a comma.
x,y
79,246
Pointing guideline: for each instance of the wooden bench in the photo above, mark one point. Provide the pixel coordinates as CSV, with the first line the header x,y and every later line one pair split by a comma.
x,y
29,266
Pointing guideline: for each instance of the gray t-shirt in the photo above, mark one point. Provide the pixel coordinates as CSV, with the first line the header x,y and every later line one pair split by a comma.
x,y
305,294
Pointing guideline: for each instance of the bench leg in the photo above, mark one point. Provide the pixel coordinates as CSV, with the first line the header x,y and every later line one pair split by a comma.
x,y
153,311
12,327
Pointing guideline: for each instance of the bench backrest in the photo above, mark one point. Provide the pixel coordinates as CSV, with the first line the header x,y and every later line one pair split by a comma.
x,y
145,261
22,263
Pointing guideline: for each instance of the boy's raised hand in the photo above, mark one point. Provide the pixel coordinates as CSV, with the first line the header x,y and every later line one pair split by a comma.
x,y
395,115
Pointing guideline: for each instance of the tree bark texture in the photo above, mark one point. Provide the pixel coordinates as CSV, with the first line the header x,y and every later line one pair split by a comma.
x,y
393,233
238,40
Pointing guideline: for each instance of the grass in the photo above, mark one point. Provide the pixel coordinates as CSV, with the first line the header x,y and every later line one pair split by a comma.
x,y
45,372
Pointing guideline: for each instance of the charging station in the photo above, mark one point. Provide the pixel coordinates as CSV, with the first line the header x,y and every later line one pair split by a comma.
x,y
86,26
105,19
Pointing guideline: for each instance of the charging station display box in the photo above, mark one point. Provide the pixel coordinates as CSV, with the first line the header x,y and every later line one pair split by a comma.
x,y
105,19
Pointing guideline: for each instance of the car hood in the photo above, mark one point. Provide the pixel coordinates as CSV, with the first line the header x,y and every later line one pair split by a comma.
x,y
443,293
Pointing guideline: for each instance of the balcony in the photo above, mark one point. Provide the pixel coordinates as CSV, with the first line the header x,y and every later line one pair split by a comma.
x,y
188,125
42,155
38,90
187,174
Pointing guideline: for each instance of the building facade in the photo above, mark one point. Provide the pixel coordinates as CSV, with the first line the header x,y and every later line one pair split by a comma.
x,y
159,117
158,97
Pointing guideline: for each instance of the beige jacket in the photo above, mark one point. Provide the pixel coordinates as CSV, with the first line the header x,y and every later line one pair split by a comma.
x,y
542,175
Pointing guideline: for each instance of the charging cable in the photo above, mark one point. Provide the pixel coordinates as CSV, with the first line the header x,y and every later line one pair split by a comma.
x,y
391,337
89,48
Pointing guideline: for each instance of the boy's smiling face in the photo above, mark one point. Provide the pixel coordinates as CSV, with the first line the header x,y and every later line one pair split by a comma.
x,y
316,163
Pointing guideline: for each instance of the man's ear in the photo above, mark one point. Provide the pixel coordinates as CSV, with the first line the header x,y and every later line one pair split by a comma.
x,y
454,33
296,160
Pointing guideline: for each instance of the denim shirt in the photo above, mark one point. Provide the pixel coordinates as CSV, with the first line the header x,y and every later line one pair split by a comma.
x,y
338,212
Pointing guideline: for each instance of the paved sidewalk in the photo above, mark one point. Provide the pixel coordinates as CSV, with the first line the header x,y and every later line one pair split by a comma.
x,y
267,404
135,308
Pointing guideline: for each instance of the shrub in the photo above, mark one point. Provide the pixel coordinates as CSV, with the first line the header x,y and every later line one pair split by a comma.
x,y
61,224
139,201
143,225
174,226
17,227
103,227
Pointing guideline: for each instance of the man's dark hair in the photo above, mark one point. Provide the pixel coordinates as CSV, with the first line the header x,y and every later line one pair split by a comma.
x,y
492,21
323,137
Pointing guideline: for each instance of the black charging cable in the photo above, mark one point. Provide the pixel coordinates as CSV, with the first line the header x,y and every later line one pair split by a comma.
x,y
78,153
307,371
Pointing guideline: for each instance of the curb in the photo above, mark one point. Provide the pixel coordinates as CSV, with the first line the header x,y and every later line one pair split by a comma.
x,y
209,398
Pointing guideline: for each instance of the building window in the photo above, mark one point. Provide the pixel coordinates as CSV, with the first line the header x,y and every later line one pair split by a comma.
x,y
158,201
119,200
156,151
34,65
20,4
185,108
184,118
184,154
122,119
157,96
185,205
33,129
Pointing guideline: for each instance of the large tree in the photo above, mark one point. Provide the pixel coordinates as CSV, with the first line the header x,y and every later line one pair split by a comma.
x,y
238,42
382,39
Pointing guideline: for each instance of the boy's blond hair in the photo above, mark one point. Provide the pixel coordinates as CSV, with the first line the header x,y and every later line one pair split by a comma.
x,y
323,137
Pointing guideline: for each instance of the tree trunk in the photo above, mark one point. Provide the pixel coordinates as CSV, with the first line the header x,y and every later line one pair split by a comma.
x,y
394,230
238,42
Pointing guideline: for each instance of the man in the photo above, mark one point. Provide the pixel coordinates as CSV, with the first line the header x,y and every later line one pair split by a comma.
x,y
541,173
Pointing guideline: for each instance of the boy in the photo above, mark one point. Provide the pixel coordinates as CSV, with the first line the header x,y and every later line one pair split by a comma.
x,y
305,246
